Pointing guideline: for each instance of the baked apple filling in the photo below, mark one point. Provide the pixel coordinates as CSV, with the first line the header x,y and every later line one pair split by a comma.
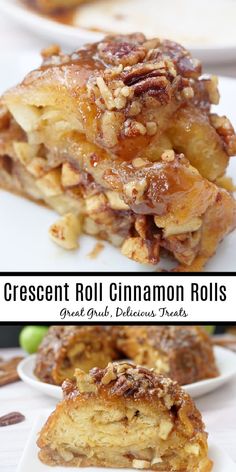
x,y
119,139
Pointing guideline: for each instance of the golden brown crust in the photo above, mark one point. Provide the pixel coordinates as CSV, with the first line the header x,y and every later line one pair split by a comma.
x,y
113,121
184,353
163,428
66,347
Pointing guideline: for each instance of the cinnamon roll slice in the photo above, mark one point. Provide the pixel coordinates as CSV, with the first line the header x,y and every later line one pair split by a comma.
x,y
125,416
119,138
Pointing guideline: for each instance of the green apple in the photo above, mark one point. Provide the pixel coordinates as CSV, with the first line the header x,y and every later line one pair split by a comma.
x,y
209,329
31,337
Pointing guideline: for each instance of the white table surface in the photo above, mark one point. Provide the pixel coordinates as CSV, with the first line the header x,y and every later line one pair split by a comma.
x,y
15,38
218,409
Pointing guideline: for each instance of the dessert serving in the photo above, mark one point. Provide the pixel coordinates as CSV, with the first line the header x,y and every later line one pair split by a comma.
x,y
125,416
119,138
183,353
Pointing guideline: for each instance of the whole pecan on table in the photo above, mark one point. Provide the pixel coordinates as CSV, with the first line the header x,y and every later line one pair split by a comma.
x,y
11,418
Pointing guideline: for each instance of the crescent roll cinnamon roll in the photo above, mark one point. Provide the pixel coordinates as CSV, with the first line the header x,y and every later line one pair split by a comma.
x,y
125,416
119,138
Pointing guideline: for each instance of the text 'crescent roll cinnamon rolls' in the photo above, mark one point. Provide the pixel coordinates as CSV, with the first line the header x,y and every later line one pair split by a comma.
x,y
125,416
119,138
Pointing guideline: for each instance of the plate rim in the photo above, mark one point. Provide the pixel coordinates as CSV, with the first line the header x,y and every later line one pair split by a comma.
x,y
42,417
192,388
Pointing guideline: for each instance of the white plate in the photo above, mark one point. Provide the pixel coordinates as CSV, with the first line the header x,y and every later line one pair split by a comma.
x,y
29,461
208,28
34,250
226,361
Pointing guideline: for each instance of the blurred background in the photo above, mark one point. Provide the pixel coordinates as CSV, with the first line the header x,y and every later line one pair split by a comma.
x,y
9,334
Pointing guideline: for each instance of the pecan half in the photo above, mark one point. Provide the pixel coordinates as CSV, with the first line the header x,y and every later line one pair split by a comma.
x,y
11,418
125,53
142,71
158,87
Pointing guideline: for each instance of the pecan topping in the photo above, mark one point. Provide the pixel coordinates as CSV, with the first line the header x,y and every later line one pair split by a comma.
x,y
125,53
184,63
11,418
132,380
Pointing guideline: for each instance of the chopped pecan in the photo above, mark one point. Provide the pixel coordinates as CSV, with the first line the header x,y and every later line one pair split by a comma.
x,y
141,250
53,50
11,418
189,67
226,131
133,128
